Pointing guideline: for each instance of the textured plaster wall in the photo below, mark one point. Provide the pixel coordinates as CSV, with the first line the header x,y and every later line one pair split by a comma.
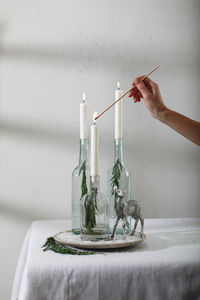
x,y
52,51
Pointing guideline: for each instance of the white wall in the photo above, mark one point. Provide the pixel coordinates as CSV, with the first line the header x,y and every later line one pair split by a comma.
x,y
52,51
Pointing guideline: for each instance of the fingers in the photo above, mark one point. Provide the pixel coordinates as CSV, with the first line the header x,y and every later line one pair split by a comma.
x,y
136,94
154,85
142,88
137,80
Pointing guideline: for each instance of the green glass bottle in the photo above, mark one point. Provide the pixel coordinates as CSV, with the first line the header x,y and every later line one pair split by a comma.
x,y
94,213
81,173
80,180
119,176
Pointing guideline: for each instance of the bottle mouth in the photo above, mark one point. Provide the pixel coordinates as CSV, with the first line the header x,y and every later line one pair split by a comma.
x,y
83,141
94,179
119,141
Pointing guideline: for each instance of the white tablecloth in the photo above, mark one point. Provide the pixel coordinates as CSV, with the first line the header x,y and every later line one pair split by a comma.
x,y
165,266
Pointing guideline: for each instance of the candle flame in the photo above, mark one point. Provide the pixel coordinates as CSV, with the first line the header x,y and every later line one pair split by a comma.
x,y
118,85
95,114
84,97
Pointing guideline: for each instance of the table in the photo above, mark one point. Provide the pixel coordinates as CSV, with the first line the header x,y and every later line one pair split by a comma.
x,y
165,266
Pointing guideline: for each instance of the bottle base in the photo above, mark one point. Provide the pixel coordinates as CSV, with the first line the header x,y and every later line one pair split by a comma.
x,y
76,231
96,234
94,237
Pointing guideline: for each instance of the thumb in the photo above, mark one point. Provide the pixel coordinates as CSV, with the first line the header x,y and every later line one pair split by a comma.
x,y
142,88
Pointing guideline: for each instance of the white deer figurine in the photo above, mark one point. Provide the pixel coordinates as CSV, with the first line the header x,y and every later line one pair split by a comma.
x,y
124,210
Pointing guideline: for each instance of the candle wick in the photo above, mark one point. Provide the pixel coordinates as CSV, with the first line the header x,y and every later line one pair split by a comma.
x,y
84,96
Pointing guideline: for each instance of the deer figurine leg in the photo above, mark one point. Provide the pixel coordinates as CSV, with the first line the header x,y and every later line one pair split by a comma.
x,y
135,225
142,227
116,223
124,226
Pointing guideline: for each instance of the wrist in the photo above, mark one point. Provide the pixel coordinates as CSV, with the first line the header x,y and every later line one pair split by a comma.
x,y
161,114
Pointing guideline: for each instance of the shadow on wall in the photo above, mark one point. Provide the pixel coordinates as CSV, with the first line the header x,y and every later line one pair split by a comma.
x,y
107,53
26,214
49,135
79,56
17,213
37,134
59,138
72,54
97,54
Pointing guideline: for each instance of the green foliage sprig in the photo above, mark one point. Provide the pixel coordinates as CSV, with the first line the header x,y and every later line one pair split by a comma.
x,y
114,181
90,200
90,207
84,188
51,244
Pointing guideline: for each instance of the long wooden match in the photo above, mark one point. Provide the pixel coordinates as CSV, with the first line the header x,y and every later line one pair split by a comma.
x,y
125,94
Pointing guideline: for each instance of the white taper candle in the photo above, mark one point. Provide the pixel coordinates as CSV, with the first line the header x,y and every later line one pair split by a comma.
x,y
118,113
94,148
83,118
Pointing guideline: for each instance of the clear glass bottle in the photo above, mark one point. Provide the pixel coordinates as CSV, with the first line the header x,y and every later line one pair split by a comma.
x,y
119,176
80,181
94,213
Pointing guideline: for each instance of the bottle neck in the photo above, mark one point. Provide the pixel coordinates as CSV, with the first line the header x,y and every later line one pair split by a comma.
x,y
119,150
83,153
94,182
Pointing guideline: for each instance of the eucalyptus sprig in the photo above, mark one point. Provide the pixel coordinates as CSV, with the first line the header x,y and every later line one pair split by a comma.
x,y
51,244
116,174
82,170
90,207
90,201
115,181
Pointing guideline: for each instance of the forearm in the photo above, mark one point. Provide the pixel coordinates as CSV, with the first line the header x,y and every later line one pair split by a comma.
x,y
182,124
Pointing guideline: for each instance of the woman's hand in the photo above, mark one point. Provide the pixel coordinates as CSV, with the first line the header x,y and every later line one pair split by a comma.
x,y
149,91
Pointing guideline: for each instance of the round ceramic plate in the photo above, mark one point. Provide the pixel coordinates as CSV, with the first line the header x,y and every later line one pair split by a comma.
x,y
67,238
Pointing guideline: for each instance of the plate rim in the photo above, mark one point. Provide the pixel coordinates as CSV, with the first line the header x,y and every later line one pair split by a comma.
x,y
126,244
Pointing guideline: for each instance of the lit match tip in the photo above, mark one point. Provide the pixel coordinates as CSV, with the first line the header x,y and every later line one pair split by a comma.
x,y
84,97
118,85
95,114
